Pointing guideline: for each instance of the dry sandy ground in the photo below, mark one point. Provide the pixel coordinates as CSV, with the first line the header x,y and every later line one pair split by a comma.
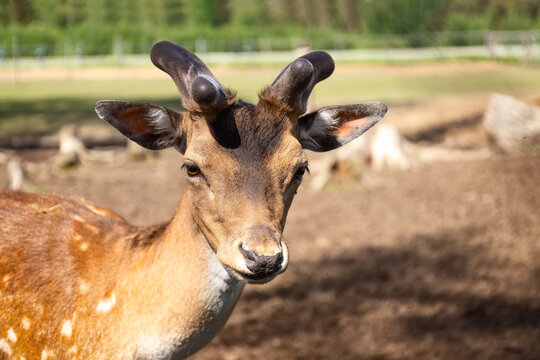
x,y
437,262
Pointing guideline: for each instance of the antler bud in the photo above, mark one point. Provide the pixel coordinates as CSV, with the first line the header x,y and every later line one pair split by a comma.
x,y
294,84
199,89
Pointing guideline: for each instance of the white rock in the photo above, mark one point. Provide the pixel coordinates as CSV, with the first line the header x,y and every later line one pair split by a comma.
x,y
512,125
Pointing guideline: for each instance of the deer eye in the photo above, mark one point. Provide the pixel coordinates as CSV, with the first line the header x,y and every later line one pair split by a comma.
x,y
300,173
192,170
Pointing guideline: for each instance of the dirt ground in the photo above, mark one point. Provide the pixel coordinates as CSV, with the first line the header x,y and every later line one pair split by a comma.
x,y
436,262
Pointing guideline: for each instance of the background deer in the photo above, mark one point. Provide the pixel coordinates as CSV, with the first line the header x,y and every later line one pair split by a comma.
x,y
77,281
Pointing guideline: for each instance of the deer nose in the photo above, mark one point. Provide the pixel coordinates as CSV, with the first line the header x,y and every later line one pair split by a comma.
x,y
262,266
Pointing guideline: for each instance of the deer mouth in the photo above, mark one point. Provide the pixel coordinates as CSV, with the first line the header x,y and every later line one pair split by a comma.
x,y
258,269
255,278
248,266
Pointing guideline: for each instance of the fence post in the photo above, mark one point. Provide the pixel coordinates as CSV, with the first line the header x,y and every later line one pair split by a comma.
x,y
15,52
265,44
118,51
79,53
39,53
67,52
491,45
3,54
201,45
294,42
527,40
339,43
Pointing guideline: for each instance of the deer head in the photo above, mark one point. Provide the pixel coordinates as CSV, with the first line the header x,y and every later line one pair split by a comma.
x,y
243,162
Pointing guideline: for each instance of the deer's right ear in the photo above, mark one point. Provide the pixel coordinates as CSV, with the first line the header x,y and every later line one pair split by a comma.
x,y
151,126
333,126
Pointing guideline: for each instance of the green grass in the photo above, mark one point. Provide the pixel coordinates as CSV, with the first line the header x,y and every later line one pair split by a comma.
x,y
37,107
344,88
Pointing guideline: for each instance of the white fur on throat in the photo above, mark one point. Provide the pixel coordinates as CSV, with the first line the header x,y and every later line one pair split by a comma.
x,y
218,300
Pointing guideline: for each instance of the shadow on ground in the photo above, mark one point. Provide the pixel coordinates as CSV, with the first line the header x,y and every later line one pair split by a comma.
x,y
414,293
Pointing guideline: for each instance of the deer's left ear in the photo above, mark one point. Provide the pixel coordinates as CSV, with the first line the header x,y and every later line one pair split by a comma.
x,y
334,126
151,126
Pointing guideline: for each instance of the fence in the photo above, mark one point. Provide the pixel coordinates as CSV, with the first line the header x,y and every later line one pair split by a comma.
x,y
495,45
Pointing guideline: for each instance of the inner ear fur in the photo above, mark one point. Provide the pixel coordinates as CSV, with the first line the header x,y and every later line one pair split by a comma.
x,y
152,126
335,126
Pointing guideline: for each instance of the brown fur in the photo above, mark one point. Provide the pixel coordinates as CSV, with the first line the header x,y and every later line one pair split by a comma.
x,y
277,102
54,279
42,267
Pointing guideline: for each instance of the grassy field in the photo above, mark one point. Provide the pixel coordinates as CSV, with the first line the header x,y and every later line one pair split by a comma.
x,y
39,101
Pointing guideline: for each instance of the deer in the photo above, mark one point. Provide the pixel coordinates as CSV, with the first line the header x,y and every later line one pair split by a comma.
x,y
77,281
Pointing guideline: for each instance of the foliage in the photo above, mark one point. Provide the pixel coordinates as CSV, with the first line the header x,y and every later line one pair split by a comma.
x,y
404,16
96,25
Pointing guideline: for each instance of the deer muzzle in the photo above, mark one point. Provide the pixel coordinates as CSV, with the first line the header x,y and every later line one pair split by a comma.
x,y
263,253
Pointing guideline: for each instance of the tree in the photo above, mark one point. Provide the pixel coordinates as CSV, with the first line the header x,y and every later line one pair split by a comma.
x,y
249,12
4,12
76,12
348,13
21,11
402,16
96,11
286,12
209,12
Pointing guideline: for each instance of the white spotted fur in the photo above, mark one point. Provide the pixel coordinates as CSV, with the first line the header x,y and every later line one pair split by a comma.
x,y
4,347
106,305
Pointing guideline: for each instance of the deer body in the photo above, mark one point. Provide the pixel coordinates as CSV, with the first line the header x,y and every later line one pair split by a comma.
x,y
125,286
77,281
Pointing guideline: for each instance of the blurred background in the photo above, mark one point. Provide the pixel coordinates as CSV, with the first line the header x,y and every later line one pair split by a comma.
x,y
419,240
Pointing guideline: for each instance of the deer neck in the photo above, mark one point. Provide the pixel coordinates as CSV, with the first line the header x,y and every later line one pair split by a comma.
x,y
186,293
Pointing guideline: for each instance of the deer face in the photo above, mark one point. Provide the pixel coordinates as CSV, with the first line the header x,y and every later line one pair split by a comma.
x,y
242,185
243,162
